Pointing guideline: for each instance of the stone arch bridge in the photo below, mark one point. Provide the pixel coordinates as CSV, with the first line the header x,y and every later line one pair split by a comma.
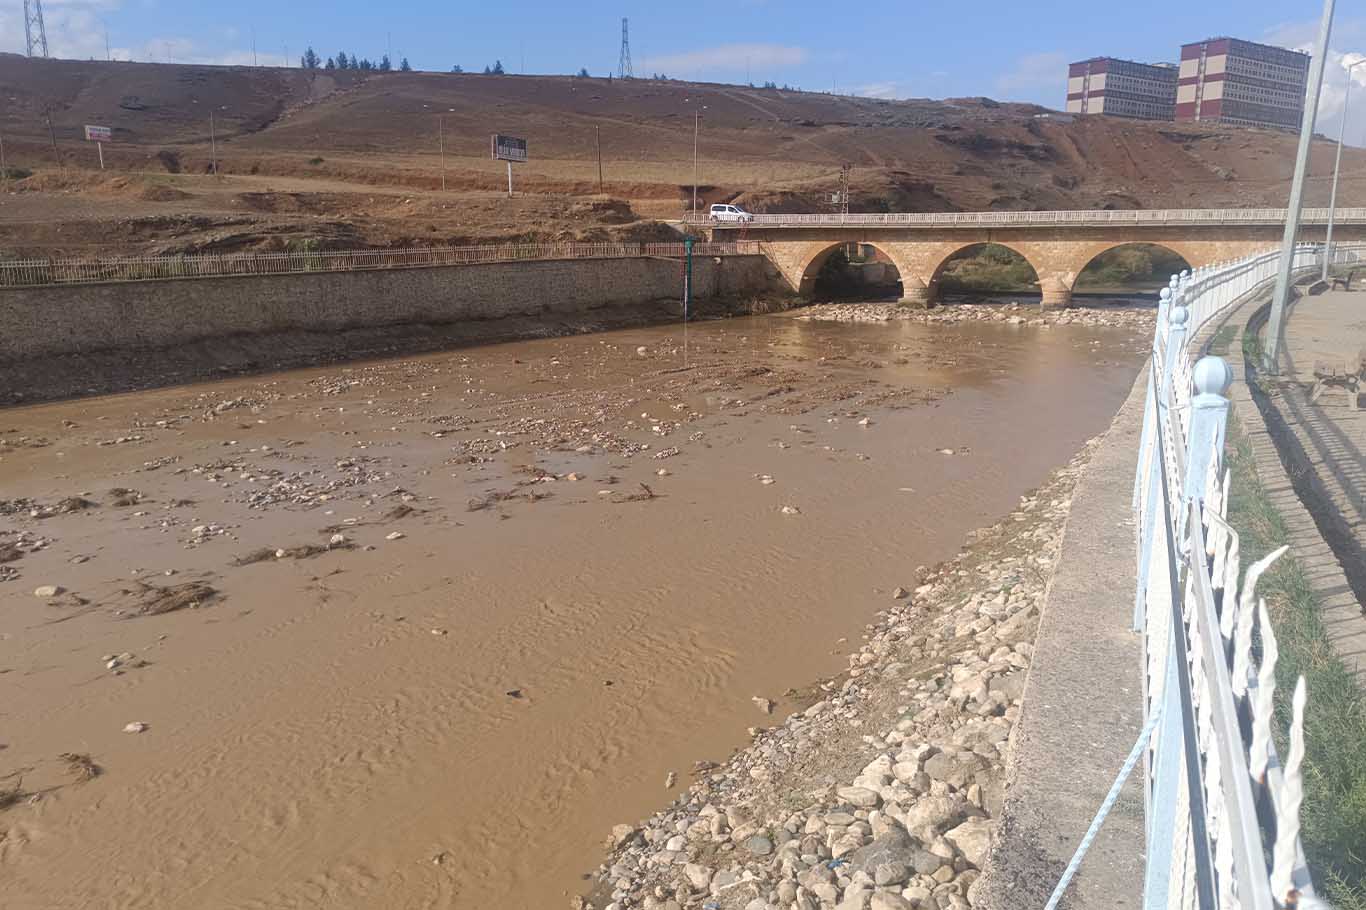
x,y
1058,245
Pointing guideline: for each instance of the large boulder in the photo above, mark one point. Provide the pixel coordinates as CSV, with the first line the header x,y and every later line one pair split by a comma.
x,y
972,839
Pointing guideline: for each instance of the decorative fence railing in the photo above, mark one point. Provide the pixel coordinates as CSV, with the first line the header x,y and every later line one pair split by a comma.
x,y
1222,809
31,272
1082,217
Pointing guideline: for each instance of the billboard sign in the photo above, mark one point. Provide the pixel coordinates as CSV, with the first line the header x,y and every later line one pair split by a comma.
x,y
99,134
509,148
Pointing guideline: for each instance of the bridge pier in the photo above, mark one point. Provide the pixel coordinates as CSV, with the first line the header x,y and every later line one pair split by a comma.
x,y
1055,293
915,294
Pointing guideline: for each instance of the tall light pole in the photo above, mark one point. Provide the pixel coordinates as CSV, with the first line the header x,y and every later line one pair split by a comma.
x,y
696,125
1292,214
1337,166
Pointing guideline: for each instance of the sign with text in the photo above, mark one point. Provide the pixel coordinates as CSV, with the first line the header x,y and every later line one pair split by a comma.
x,y
509,148
99,134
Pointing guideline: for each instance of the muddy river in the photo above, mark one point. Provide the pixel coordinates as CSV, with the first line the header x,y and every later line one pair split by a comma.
x,y
416,633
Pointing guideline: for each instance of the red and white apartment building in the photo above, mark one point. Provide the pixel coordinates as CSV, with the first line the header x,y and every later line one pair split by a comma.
x,y
1220,80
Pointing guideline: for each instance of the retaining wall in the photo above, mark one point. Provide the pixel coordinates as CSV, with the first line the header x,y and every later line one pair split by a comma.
x,y
94,318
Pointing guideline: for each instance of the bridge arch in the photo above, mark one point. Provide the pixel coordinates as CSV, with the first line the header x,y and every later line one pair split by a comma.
x,y
950,253
813,259
1138,265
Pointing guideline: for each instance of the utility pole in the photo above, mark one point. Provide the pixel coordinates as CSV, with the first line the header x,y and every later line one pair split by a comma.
x,y
1292,215
253,46
597,133
107,55
213,145
696,125
52,136
4,171
441,139
1337,167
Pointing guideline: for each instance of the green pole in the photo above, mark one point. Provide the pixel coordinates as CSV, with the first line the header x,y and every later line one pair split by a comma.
x,y
687,278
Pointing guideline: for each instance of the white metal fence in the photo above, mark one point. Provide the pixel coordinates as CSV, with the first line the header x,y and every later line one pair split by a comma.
x,y
24,273
1222,808
1083,217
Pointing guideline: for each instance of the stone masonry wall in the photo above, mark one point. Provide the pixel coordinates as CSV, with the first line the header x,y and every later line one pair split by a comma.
x,y
82,319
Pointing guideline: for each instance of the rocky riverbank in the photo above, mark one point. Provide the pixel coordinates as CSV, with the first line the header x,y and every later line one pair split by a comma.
x,y
883,793
1125,315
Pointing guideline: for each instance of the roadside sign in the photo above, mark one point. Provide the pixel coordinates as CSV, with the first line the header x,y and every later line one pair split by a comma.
x,y
99,135
507,148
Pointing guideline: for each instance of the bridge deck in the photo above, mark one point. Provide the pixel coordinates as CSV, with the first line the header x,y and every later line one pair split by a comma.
x,y
1083,218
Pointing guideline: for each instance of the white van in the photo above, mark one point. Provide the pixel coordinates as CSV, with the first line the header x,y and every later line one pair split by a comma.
x,y
729,213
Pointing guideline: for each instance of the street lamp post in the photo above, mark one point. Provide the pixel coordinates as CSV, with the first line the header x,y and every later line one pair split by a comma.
x,y
1337,166
696,125
1292,215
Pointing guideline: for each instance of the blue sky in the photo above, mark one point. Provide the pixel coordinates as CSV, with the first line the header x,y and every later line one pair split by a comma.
x,y
1005,49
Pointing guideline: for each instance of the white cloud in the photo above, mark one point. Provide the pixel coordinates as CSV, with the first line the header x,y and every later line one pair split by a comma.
x,y
1035,77
1303,36
890,90
76,31
727,58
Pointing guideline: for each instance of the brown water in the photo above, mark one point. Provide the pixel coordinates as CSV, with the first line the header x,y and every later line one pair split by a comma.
x,y
336,731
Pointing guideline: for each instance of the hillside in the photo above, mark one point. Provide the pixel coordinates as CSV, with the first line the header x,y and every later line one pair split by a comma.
x,y
348,159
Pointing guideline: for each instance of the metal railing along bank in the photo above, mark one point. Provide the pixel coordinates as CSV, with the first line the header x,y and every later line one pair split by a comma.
x,y
37,272
1083,217
1222,808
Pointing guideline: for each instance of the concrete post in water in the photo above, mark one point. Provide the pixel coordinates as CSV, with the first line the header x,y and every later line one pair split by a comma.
x,y
1208,423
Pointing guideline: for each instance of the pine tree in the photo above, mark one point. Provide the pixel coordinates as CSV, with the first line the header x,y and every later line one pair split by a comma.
x,y
497,67
583,72
457,69
404,67
343,62
384,65
309,60
331,64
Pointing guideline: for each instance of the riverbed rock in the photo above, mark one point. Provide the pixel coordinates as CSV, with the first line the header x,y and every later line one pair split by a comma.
x,y
972,839
758,845
889,900
862,797
955,769
698,876
47,591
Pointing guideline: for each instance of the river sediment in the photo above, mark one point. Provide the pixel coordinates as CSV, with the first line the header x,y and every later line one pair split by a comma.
x,y
884,789
416,632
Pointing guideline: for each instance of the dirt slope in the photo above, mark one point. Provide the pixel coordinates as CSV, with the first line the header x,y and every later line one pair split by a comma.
x,y
357,137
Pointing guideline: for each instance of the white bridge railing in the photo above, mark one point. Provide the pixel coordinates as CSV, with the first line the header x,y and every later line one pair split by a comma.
x,y
1222,808
1088,218
37,272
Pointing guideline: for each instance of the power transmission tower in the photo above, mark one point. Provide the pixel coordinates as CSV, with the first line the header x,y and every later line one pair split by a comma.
x,y
34,30
624,70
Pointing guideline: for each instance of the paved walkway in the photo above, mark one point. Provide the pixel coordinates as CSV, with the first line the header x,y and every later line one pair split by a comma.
x,y
1310,455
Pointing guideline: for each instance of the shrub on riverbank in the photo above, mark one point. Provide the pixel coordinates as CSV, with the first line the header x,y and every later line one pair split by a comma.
x,y
1334,811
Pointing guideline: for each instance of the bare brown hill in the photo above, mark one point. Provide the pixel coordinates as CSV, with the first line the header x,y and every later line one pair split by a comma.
x,y
350,158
